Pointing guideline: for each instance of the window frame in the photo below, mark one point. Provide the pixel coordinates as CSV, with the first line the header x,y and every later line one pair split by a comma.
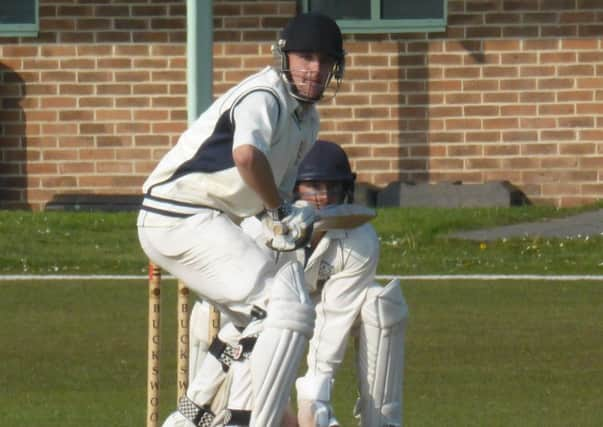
x,y
22,29
378,25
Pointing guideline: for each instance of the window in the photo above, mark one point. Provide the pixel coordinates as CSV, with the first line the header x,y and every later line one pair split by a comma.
x,y
383,16
19,18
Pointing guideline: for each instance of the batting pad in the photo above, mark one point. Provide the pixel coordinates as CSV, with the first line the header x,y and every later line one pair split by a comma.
x,y
380,357
210,372
280,346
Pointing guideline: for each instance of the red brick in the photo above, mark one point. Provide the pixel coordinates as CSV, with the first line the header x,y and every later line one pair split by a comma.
x,y
541,44
502,97
59,128
483,32
547,84
483,137
559,30
520,163
59,154
462,73
592,189
95,128
482,110
76,141
520,136
445,111
483,163
112,115
590,56
75,115
465,150
565,96
76,167
131,24
586,30
576,122
501,123
591,135
133,50
97,154
537,123
528,97
588,83
76,37
463,98
458,124
558,135
113,140
556,109
59,182
557,57
518,58
518,84
58,102
76,89
501,150
576,17
114,167
479,85
445,164
540,18
19,51
114,89
555,189
559,162
94,50
577,148
502,71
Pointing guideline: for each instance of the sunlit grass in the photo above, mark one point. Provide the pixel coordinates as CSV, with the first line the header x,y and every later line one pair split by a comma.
x,y
413,241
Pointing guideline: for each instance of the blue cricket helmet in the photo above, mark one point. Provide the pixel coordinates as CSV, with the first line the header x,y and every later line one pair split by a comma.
x,y
326,161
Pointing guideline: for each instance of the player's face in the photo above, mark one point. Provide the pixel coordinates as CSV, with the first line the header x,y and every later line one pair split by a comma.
x,y
321,193
310,72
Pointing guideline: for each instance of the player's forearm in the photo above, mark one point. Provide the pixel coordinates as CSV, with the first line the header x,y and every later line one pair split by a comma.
x,y
255,170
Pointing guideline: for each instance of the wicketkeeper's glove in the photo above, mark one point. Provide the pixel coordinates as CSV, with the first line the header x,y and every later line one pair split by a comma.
x,y
314,401
289,226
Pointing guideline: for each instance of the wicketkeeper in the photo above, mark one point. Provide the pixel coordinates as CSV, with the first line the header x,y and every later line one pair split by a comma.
x,y
240,159
340,267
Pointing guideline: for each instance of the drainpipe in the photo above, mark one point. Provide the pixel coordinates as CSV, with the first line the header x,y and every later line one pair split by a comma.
x,y
199,56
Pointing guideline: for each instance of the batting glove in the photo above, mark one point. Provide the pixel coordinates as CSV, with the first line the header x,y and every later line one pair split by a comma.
x,y
289,226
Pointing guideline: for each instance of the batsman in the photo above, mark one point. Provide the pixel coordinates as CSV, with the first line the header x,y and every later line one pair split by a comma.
x,y
340,267
240,159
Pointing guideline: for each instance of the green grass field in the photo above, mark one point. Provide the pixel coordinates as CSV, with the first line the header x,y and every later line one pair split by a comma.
x,y
503,353
478,354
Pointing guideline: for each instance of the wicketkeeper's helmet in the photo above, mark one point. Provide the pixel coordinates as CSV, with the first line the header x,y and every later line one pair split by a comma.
x,y
312,32
327,161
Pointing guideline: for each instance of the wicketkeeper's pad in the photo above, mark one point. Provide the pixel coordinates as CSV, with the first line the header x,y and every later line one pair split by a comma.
x,y
380,357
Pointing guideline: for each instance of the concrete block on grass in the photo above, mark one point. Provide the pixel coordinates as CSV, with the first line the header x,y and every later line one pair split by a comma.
x,y
451,195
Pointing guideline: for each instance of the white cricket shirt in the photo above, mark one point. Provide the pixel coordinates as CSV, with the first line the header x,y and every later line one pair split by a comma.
x,y
199,171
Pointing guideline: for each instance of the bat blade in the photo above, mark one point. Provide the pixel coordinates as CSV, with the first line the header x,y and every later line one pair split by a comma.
x,y
344,216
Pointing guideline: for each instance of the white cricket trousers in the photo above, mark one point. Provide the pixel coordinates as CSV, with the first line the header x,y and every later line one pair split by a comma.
x,y
212,256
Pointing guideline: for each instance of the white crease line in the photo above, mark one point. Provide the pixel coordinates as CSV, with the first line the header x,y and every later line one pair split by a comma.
x,y
426,277
542,277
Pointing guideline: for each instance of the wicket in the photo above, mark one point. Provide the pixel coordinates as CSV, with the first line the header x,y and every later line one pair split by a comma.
x,y
154,343
154,333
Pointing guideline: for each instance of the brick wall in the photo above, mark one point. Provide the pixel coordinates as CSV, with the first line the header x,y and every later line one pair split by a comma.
x,y
513,90
92,103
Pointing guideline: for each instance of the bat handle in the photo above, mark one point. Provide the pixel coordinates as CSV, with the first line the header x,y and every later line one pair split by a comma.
x,y
214,323
278,228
